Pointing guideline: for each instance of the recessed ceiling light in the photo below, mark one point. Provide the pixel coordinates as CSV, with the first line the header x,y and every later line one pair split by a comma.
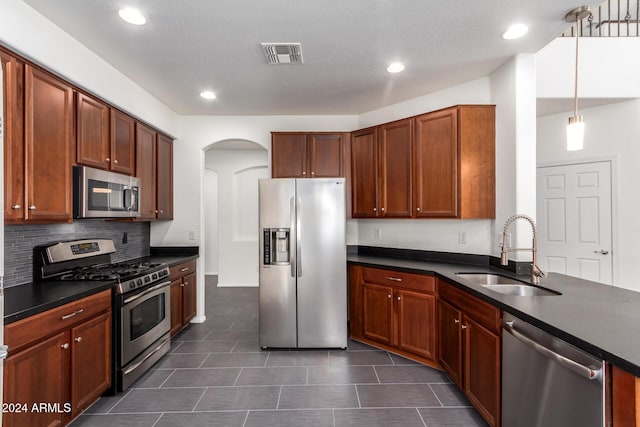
x,y
395,67
207,94
132,16
515,32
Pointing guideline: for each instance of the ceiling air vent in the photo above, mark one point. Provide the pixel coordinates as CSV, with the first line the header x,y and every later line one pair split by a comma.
x,y
282,53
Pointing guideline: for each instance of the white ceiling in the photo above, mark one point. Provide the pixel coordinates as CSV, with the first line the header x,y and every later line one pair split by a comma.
x,y
190,46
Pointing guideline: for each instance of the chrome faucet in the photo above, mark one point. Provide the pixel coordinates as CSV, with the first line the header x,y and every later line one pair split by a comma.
x,y
536,272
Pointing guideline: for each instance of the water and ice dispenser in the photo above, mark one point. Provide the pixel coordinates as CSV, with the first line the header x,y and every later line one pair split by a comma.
x,y
276,246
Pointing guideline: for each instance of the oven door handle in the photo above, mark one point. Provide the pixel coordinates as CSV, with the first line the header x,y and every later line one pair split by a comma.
x,y
151,353
148,291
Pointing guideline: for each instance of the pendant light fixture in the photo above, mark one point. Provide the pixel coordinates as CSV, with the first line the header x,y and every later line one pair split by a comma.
x,y
575,128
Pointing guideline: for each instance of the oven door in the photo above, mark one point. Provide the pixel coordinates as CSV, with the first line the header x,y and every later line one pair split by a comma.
x,y
146,316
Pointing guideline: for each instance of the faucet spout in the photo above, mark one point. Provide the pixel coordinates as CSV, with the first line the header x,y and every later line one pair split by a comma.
x,y
536,272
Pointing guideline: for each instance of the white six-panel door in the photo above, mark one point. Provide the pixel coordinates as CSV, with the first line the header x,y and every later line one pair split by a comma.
x,y
574,220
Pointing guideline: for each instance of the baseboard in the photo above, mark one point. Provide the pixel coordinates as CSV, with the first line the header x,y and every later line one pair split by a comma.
x,y
237,285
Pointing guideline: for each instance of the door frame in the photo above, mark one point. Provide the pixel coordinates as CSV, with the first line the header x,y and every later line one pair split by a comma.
x,y
613,161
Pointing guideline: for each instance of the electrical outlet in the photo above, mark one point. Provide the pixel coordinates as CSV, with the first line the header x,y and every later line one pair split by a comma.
x,y
462,237
377,233
192,235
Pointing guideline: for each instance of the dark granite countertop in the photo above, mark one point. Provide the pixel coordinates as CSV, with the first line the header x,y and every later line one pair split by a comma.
x,y
600,319
32,298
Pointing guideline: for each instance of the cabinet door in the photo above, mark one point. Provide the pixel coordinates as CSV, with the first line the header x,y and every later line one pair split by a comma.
x,y
90,361
289,155
146,170
450,340
188,298
325,155
176,306
164,170
364,190
48,136
435,162
37,374
13,121
123,142
394,169
482,370
416,314
92,132
377,313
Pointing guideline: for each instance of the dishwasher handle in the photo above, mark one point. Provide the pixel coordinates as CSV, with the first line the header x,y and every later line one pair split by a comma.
x,y
578,368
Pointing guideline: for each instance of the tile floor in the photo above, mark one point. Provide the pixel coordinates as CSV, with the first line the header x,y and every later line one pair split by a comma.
x,y
217,375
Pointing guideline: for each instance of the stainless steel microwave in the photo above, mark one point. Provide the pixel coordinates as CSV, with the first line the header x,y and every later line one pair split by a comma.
x,y
103,194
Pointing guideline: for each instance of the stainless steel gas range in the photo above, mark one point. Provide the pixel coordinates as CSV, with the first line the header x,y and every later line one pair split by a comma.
x,y
141,300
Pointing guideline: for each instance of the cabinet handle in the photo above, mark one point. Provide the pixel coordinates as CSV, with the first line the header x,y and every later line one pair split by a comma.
x,y
304,173
16,207
418,210
601,251
183,269
398,298
313,173
115,162
65,346
464,327
375,209
78,339
389,296
75,313
32,207
182,285
107,159
156,211
456,321
394,279
161,211
381,209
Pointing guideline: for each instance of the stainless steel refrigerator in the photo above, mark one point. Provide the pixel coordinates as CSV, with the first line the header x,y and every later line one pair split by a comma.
x,y
303,269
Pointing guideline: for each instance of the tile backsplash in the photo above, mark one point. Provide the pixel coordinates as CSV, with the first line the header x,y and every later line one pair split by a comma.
x,y
19,241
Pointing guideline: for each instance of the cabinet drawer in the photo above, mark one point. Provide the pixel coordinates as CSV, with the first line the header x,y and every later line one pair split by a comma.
x,y
482,312
416,282
34,328
183,269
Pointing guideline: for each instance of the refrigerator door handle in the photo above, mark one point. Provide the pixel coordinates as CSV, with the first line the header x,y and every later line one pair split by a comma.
x,y
298,245
292,232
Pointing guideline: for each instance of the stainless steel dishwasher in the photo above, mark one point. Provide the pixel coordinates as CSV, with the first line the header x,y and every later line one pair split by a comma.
x,y
546,381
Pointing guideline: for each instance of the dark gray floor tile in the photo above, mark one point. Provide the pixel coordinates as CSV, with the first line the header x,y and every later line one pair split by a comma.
x,y
272,376
203,419
159,400
172,361
399,360
396,396
233,335
315,418
205,347
240,360
105,403
342,375
410,374
246,347
204,377
192,335
449,395
128,420
152,378
392,417
238,398
358,346
245,325
298,358
345,358
318,396
449,417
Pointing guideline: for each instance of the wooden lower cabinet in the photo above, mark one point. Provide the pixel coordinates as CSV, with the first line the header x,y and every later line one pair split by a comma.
x,y
59,362
393,310
183,295
469,338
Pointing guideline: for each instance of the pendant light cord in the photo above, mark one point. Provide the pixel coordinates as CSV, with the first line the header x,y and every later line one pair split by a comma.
x,y
575,94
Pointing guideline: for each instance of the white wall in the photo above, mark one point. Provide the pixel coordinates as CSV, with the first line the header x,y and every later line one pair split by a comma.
x,y
611,132
25,31
211,223
238,172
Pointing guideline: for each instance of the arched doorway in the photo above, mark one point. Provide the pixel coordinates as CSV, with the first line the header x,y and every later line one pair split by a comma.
x,y
232,171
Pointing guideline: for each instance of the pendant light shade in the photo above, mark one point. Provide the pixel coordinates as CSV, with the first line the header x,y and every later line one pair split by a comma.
x,y
575,128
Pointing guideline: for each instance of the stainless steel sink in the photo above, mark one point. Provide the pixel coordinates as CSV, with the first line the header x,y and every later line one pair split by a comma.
x,y
506,285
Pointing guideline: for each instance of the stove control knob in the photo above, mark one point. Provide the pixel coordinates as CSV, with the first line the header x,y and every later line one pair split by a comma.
x,y
132,284
154,276
139,282
147,279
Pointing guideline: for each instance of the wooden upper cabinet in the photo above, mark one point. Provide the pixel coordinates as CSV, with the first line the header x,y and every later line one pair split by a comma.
x,y
48,146
92,132
146,170
364,171
164,173
454,163
13,121
394,169
123,134
308,155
